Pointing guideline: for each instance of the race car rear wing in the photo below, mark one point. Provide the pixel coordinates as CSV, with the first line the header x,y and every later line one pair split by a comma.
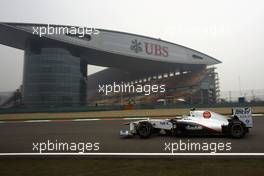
x,y
244,115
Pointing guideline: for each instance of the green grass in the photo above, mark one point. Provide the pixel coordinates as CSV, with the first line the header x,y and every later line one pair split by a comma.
x,y
127,167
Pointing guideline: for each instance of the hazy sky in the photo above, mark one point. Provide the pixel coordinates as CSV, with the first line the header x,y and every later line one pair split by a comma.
x,y
231,31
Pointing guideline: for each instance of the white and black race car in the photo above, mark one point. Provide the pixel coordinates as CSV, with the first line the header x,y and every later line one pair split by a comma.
x,y
199,122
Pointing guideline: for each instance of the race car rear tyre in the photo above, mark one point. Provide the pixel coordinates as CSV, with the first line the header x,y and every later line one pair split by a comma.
x,y
144,129
237,129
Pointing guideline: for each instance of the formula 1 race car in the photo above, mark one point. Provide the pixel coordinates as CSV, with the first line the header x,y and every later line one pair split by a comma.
x,y
199,122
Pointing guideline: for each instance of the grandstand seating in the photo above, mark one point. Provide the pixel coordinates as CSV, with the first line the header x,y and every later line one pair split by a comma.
x,y
182,88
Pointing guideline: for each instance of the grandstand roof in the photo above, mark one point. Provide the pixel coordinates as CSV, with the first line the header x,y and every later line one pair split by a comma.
x,y
121,50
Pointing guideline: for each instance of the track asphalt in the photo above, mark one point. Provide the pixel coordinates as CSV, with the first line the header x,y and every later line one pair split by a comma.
x,y
18,137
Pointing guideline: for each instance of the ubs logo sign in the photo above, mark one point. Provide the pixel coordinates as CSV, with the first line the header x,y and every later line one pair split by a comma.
x,y
136,46
149,48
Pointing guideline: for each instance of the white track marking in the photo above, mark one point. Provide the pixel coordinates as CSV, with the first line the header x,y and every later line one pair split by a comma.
x,y
136,118
80,120
257,115
96,119
132,154
36,121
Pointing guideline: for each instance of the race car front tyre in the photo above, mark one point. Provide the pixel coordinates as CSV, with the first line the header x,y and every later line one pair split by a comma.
x,y
237,129
144,129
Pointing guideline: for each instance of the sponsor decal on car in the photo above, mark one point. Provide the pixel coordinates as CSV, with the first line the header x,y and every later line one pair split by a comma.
x,y
207,114
193,127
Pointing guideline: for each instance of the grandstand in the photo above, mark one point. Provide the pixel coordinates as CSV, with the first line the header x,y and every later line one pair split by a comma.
x,y
55,67
10,99
192,87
